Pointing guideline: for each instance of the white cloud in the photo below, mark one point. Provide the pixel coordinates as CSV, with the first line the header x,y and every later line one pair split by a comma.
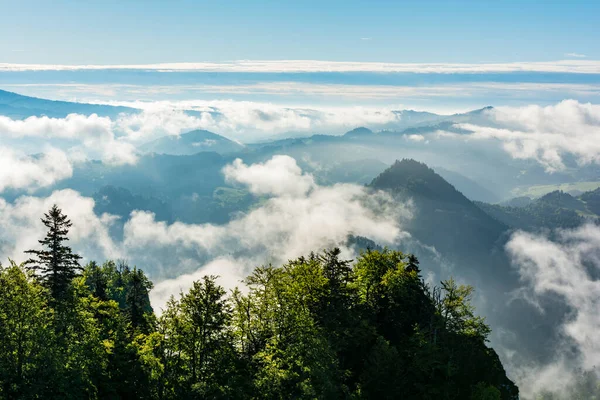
x,y
21,226
283,92
299,218
71,127
229,271
159,121
247,121
88,134
544,134
19,171
278,176
115,140
568,66
568,268
575,55
416,138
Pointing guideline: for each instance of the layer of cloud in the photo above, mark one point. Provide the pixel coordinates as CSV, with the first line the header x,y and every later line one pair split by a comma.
x,y
299,217
115,140
308,92
81,134
247,121
296,217
575,55
279,176
21,226
569,268
20,171
565,66
545,134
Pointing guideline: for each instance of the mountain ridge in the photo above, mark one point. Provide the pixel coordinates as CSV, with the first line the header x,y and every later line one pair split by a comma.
x,y
192,142
18,106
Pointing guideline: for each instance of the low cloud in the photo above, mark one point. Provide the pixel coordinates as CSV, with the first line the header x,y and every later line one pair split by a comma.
x,y
416,138
20,171
299,217
568,267
545,134
296,217
280,66
247,121
279,176
115,140
441,96
575,55
21,226
78,134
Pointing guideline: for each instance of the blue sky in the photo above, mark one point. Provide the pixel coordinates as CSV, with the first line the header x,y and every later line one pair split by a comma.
x,y
130,32
485,39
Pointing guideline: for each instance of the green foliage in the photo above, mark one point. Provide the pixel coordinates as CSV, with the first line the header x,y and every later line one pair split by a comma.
x,y
316,327
485,392
56,265
25,333
592,201
554,210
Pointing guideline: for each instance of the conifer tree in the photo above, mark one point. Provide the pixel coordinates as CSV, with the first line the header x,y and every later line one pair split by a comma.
x,y
56,264
413,264
137,303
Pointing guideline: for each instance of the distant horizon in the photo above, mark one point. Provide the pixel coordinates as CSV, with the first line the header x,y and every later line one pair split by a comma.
x,y
438,87
572,64
140,105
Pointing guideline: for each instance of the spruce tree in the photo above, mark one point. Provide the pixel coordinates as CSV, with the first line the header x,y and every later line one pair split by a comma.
x,y
413,264
56,264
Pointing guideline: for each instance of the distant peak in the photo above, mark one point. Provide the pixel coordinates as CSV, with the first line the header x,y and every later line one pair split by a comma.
x,y
555,195
418,178
486,108
406,167
359,131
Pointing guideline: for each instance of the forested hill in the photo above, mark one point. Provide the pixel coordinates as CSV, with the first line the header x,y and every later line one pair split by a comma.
x,y
554,210
317,327
445,219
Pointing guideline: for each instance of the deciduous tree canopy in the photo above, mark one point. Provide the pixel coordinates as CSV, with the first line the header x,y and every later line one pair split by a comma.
x,y
317,327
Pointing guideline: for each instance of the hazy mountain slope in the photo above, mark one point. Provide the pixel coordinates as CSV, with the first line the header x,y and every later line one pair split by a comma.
x,y
551,211
191,143
359,171
469,246
471,189
17,106
120,201
445,219
190,188
592,200
359,132
157,175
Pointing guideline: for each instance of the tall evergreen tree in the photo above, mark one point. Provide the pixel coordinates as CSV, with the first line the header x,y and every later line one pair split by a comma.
x,y
56,265
137,302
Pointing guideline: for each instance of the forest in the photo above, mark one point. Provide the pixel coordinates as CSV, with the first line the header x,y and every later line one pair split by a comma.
x,y
317,327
